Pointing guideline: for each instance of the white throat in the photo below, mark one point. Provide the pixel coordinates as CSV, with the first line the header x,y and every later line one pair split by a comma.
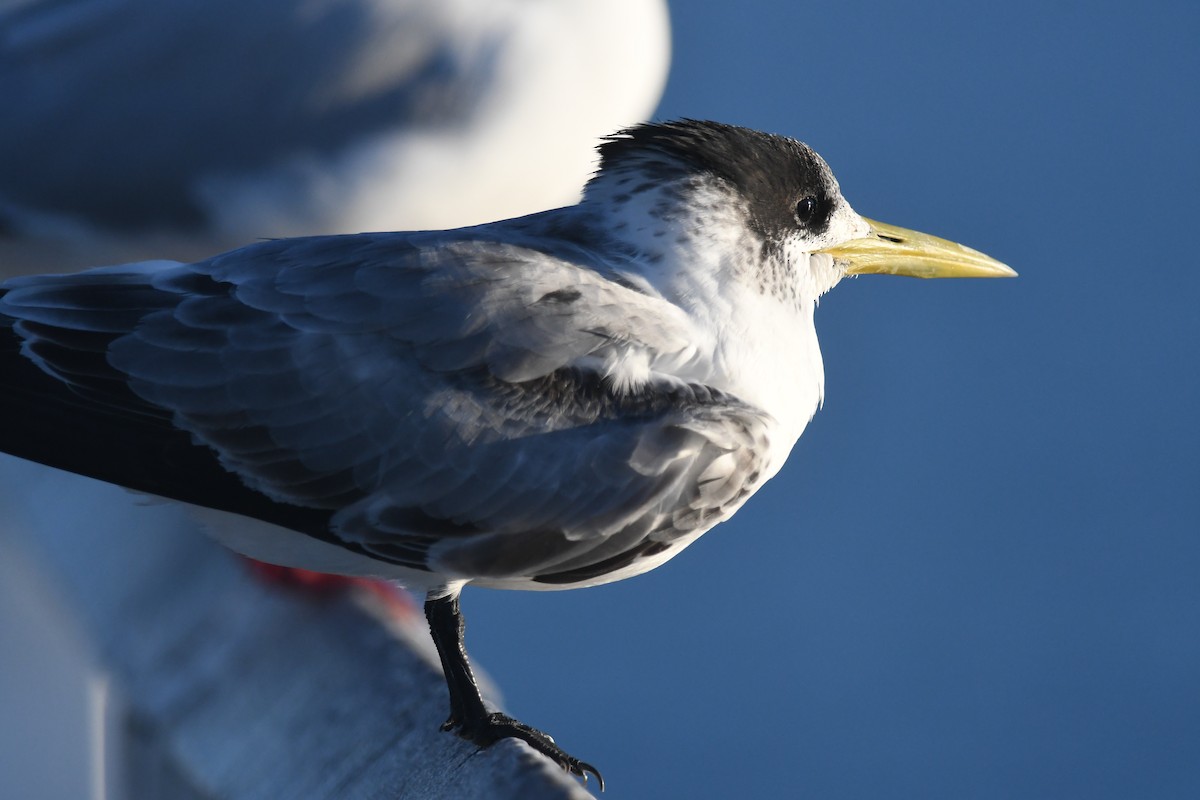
x,y
752,330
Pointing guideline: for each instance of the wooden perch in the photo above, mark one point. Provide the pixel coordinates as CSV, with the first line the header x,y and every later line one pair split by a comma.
x,y
234,689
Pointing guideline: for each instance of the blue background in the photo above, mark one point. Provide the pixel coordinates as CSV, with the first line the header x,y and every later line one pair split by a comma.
x,y
979,574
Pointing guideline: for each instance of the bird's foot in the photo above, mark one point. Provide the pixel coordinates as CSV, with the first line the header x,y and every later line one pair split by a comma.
x,y
493,727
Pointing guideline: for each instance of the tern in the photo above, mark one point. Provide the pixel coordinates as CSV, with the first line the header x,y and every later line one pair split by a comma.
x,y
549,402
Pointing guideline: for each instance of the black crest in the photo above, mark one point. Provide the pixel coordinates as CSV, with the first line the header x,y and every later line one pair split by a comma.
x,y
774,173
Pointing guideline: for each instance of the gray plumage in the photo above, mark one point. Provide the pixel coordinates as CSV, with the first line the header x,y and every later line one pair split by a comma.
x,y
429,390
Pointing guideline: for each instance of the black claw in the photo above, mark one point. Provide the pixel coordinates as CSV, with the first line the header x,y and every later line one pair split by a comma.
x,y
585,768
496,726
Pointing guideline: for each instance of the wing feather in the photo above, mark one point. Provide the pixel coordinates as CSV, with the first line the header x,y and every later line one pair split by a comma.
x,y
444,396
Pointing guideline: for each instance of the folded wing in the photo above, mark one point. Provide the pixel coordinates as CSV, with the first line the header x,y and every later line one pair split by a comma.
x,y
440,403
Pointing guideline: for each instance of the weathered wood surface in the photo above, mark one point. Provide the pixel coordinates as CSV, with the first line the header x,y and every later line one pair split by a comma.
x,y
234,689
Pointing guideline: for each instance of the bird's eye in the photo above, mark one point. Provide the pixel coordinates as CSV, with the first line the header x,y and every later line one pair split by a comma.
x,y
806,210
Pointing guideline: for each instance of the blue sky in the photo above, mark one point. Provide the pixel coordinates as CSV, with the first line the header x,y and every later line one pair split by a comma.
x,y
979,574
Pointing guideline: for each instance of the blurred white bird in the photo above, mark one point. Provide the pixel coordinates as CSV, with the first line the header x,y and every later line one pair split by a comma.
x,y
548,402
189,127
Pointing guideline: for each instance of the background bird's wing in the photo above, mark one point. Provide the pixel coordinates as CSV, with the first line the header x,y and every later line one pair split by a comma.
x,y
79,76
430,397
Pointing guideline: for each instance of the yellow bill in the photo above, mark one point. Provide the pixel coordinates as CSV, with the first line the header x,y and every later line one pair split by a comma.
x,y
890,250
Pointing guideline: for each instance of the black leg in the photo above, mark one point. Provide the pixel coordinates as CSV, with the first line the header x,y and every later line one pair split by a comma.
x,y
467,712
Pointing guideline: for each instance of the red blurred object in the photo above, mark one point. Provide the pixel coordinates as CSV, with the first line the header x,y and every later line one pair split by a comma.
x,y
398,601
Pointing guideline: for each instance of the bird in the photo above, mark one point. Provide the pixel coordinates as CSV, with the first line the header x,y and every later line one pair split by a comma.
x,y
547,402
142,127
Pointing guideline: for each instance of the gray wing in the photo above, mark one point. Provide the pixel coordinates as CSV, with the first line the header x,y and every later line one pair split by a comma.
x,y
445,399
117,110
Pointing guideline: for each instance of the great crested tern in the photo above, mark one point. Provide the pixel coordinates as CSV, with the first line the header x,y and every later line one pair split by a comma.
x,y
549,402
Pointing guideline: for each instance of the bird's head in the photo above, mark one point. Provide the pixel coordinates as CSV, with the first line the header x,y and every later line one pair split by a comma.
x,y
764,209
